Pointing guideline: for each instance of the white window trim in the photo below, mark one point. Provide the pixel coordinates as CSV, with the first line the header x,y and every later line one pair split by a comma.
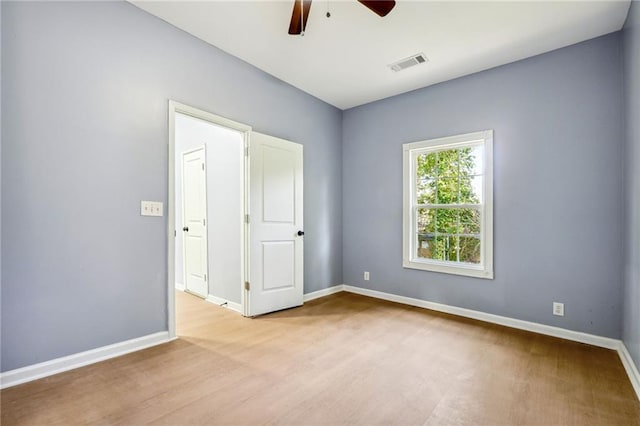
x,y
409,260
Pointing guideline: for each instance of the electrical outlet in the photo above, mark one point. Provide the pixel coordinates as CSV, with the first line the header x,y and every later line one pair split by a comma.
x,y
366,275
558,309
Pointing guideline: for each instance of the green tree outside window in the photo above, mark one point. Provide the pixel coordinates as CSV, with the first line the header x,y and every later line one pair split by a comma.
x,y
449,197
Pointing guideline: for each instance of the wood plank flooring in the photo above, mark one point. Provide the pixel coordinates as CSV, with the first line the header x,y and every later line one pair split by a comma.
x,y
342,359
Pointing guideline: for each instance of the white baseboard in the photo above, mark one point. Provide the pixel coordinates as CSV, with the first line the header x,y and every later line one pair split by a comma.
x,y
630,367
70,362
225,303
322,293
576,336
217,300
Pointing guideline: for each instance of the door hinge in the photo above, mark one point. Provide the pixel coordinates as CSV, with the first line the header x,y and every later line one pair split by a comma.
x,y
246,152
202,166
247,286
205,277
204,222
246,218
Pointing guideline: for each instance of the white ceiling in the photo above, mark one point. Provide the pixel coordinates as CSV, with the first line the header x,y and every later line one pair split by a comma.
x,y
344,59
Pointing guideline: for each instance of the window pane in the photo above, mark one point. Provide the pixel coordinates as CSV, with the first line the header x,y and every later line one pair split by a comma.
x,y
441,247
426,219
426,165
471,190
425,246
448,163
469,249
425,191
447,190
451,247
469,221
446,247
471,161
476,155
426,178
447,221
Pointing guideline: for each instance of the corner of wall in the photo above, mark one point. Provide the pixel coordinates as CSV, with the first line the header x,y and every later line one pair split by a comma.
x,y
1,26
630,41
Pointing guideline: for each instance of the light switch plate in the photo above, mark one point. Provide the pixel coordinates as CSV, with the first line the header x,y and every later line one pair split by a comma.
x,y
151,208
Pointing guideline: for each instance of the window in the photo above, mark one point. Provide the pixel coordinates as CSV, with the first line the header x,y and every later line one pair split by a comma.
x,y
448,205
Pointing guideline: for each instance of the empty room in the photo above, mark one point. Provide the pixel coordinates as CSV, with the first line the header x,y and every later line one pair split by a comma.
x,y
320,212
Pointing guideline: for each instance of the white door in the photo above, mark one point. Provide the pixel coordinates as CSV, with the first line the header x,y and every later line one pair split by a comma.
x,y
275,221
194,214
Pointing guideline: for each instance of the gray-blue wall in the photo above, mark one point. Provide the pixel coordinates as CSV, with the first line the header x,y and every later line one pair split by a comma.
x,y
558,158
631,43
84,102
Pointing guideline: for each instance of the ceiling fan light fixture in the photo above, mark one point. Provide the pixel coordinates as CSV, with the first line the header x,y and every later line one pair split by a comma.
x,y
411,61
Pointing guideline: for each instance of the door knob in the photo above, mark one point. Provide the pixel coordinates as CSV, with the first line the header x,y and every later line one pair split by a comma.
x,y
185,229
300,233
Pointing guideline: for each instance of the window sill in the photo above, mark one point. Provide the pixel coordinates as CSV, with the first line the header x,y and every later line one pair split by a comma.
x,y
470,271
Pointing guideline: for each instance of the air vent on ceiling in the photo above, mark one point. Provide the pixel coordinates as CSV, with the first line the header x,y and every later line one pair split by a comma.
x,y
403,64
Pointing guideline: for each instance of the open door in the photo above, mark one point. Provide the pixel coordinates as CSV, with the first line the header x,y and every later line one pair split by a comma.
x,y
275,225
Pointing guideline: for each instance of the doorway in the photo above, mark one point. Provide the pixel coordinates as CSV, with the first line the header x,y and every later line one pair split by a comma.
x,y
209,210
207,203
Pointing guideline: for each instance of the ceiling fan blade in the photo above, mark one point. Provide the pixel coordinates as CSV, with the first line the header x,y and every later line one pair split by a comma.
x,y
380,7
299,16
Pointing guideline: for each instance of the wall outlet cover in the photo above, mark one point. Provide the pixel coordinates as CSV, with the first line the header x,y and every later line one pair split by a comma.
x,y
151,208
558,309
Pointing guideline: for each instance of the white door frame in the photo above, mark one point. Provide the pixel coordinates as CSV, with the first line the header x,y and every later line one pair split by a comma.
x,y
176,107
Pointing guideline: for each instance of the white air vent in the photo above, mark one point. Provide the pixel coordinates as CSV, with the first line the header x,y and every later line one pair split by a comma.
x,y
409,62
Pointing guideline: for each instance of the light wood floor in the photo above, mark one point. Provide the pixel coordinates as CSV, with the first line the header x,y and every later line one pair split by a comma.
x,y
343,359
